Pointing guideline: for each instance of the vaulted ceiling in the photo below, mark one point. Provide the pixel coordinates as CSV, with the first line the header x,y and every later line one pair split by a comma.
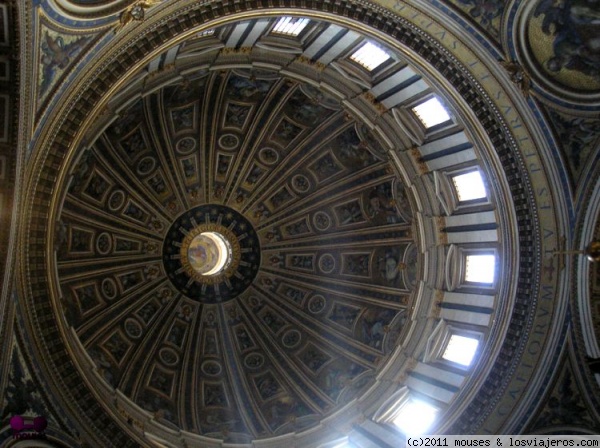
x,y
350,244
322,222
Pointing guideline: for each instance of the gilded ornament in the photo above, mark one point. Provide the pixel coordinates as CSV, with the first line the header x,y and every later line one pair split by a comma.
x,y
518,75
592,251
135,13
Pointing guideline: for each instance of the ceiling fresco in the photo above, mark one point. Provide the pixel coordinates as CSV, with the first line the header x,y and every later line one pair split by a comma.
x,y
58,52
564,40
557,44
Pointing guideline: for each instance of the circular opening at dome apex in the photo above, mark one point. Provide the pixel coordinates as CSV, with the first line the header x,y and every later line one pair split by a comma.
x,y
209,253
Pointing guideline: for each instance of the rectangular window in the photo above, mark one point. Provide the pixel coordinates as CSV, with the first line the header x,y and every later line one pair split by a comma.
x,y
290,26
461,350
415,417
469,186
370,56
431,112
480,268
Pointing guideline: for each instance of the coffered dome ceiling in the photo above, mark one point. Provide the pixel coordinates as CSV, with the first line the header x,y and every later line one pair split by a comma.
x,y
323,266
324,257
257,232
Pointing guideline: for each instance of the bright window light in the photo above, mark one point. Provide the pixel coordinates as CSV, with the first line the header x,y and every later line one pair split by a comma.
x,y
290,26
461,349
480,268
342,445
469,186
431,112
370,56
206,33
415,417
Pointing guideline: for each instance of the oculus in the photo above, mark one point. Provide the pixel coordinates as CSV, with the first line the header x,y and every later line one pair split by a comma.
x,y
211,253
208,253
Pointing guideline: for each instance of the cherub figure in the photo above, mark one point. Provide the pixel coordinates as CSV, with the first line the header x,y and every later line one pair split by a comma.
x,y
135,13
